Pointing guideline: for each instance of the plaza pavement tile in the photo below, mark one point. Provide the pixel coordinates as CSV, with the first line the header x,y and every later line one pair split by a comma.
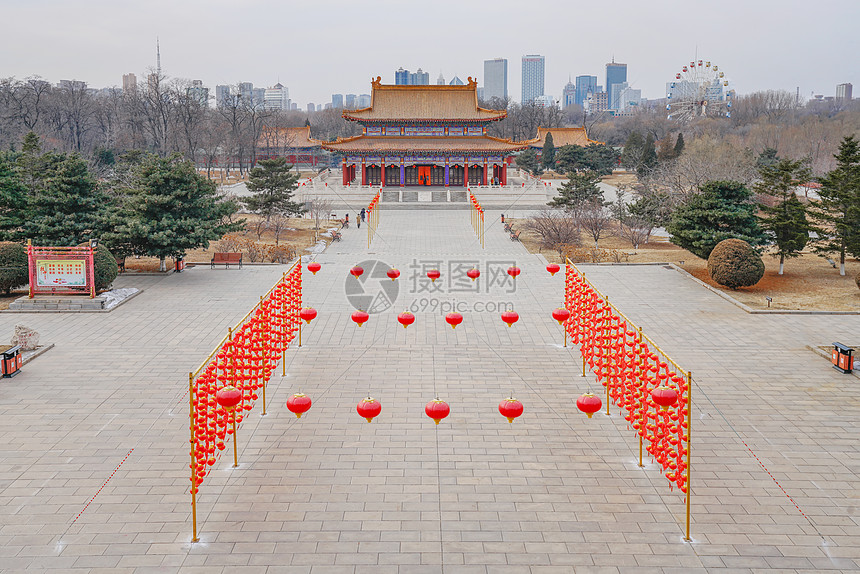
x,y
552,492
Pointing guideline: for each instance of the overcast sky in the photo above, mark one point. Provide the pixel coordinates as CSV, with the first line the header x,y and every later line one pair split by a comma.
x,y
325,47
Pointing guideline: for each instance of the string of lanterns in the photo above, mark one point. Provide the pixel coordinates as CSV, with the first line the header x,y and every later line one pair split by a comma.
x,y
477,215
637,376
372,215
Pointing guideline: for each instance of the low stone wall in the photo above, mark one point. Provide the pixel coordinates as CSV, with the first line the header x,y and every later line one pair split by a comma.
x,y
58,303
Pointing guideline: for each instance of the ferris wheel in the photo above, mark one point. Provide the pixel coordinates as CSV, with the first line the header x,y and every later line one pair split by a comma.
x,y
699,89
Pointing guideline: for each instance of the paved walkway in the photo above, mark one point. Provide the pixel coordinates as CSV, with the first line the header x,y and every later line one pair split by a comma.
x,y
552,492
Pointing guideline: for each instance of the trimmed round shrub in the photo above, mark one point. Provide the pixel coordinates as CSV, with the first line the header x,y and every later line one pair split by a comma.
x,y
13,266
734,263
105,266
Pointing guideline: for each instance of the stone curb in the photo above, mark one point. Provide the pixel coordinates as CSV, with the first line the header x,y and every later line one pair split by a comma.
x,y
752,311
120,304
28,356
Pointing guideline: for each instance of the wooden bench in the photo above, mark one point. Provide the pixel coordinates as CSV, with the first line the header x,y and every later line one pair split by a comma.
x,y
343,223
335,235
509,227
515,236
227,259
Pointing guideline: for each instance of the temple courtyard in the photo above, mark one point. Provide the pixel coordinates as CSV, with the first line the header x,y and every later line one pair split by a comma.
x,y
94,462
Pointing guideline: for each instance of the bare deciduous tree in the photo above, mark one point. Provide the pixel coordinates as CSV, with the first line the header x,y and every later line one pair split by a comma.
x,y
595,219
319,210
556,228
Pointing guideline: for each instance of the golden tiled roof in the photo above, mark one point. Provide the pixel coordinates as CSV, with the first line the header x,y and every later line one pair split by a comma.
x,y
564,136
424,103
405,144
271,137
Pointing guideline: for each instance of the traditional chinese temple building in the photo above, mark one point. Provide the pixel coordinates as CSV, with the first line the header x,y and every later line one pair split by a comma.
x,y
294,144
425,135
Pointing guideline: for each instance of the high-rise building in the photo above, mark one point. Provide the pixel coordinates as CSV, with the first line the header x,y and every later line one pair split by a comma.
x,y
615,74
545,101
419,78
350,101
626,97
597,102
585,85
362,101
495,79
277,97
568,94
222,96
311,108
294,106
72,85
199,92
533,77
401,78
129,83
440,81
844,91
456,81
337,101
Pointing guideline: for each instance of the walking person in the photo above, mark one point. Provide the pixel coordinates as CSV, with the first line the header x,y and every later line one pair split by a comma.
x,y
358,220
362,214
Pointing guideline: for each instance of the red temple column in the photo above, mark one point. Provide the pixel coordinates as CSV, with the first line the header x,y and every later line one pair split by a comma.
x,y
504,169
344,172
466,174
382,176
485,172
363,172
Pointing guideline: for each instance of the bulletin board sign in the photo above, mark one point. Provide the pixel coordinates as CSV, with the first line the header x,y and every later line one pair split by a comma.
x,y
61,271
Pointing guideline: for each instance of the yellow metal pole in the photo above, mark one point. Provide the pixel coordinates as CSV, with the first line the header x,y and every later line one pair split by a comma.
x,y
235,440
689,429
603,353
193,459
264,355
300,333
642,422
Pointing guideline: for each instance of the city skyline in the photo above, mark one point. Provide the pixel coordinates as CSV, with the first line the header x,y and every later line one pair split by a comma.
x,y
764,54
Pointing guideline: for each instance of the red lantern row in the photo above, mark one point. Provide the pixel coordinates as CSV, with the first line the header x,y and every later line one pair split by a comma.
x,y
237,372
653,396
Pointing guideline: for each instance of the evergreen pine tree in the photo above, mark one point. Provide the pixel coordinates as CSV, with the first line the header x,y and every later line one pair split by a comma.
x,y
168,209
13,200
274,181
719,210
578,191
649,157
548,152
67,207
786,221
839,205
679,145
631,157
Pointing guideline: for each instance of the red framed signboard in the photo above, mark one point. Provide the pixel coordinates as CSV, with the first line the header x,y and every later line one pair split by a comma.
x,y
61,271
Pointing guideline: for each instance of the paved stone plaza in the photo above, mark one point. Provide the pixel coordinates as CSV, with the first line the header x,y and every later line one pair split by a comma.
x,y
552,492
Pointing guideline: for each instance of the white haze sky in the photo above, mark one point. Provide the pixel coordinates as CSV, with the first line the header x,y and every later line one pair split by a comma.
x,y
320,48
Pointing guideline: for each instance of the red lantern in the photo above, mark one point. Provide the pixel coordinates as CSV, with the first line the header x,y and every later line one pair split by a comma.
x,y
308,314
510,317
589,404
473,274
665,397
299,404
228,397
561,315
553,268
437,410
433,274
313,267
514,271
454,319
393,273
356,272
406,318
511,408
360,317
369,408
